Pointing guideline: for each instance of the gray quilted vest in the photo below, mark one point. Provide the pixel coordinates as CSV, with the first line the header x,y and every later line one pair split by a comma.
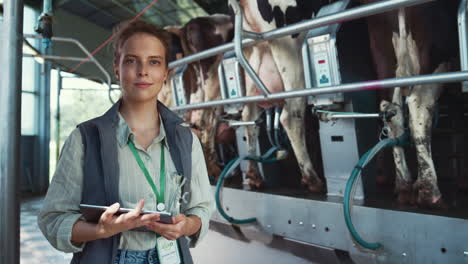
x,y
101,170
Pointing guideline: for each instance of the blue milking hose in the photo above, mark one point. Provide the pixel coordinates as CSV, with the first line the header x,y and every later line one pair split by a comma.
x,y
227,171
352,179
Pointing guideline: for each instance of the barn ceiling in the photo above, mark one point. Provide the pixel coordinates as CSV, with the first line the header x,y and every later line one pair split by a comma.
x,y
107,13
91,22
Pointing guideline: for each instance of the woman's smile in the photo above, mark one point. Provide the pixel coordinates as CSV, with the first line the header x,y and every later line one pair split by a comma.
x,y
143,85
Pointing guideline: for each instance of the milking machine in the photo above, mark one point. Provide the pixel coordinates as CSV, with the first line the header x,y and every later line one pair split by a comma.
x,y
232,86
328,62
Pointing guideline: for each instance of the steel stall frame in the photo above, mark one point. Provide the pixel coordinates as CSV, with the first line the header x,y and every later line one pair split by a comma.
x,y
83,48
296,224
407,237
352,87
10,130
350,14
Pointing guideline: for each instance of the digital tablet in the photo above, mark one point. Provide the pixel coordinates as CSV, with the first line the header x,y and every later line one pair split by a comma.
x,y
92,213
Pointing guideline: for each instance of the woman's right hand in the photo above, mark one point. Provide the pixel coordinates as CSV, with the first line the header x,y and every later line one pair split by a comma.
x,y
109,224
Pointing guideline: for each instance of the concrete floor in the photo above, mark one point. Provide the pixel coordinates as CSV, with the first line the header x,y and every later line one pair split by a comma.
x,y
215,248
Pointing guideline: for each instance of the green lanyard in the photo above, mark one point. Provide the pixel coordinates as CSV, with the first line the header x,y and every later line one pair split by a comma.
x,y
162,173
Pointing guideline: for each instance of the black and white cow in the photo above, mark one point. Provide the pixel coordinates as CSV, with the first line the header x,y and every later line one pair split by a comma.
x,y
279,65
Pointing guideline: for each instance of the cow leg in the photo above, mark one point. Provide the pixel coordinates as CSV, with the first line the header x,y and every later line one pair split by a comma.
x,y
408,64
421,104
286,54
251,112
403,183
208,135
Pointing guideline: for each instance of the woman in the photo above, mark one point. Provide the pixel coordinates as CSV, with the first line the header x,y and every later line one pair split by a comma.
x,y
119,160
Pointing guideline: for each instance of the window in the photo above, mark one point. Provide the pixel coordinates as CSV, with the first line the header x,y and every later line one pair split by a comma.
x,y
30,80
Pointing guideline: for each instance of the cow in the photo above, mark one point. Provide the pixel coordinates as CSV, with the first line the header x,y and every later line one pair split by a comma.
x,y
201,81
412,41
279,65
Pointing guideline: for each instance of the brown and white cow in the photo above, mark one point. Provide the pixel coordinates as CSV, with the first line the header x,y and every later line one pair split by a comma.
x,y
201,78
413,41
279,65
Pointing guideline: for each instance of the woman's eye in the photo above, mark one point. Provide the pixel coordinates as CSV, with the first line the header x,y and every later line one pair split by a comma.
x,y
128,61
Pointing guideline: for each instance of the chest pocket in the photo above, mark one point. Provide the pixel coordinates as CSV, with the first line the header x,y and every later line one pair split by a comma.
x,y
173,200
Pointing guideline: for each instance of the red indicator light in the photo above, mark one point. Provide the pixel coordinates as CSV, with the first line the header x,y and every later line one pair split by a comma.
x,y
231,78
321,61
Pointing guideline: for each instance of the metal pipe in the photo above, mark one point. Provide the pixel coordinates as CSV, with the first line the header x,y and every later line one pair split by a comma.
x,y
252,35
269,129
57,116
240,53
47,7
352,87
10,129
462,37
276,126
350,14
353,116
209,53
76,42
51,57
242,123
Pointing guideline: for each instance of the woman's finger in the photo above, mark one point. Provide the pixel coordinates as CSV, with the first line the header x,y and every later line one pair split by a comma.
x,y
148,218
137,210
110,211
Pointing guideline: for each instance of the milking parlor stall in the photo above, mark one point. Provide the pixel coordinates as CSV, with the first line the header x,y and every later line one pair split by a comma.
x,y
340,137
335,131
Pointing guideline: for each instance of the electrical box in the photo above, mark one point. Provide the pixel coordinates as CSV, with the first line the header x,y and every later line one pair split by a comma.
x,y
231,81
320,58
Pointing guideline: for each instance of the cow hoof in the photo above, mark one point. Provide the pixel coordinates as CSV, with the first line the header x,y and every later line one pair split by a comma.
x,y
406,198
429,195
316,186
255,184
254,181
405,193
426,199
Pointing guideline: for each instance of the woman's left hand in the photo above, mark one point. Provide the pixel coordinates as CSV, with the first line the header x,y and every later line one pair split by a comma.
x,y
181,226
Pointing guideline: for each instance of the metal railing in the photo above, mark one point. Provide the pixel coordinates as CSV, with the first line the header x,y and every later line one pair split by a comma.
x,y
238,32
350,14
83,48
352,87
463,36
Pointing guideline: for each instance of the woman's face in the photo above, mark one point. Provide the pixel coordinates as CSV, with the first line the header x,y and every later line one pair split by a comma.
x,y
141,67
